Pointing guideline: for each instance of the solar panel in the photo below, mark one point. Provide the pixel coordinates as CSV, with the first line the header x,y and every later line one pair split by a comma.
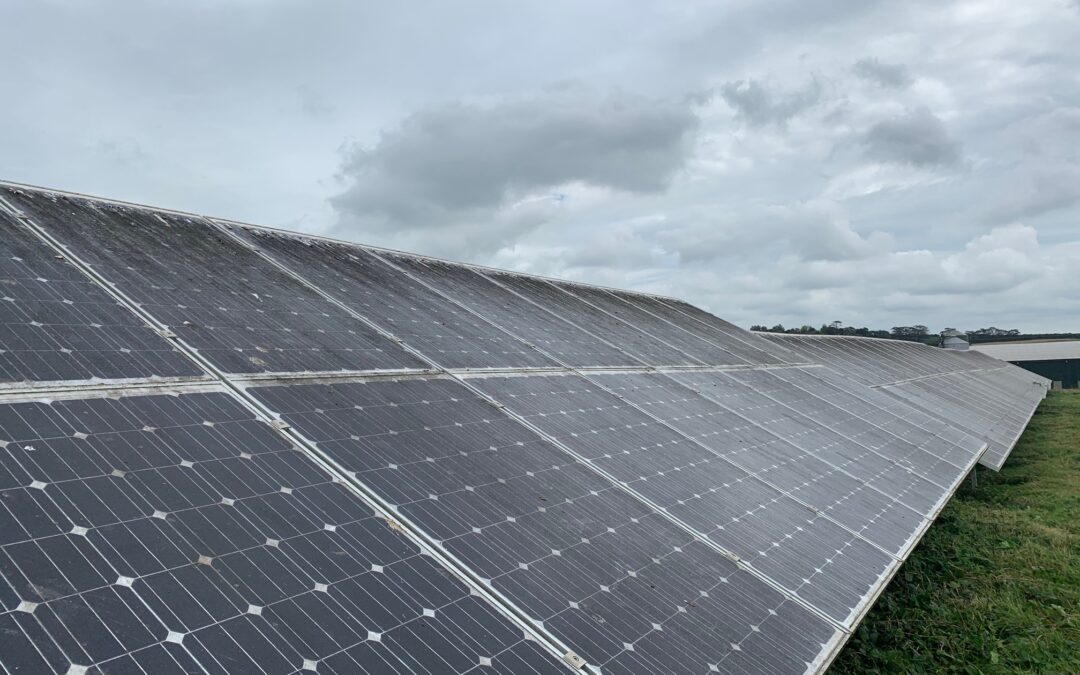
x,y
528,311
701,349
807,554
683,311
980,397
55,324
264,452
175,533
743,346
566,545
218,296
448,333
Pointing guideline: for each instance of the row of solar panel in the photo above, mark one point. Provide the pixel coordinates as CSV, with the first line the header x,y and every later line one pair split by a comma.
x,y
245,314
112,498
967,390
681,521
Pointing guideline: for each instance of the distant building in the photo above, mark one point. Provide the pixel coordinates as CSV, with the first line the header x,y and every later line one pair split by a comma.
x,y
1058,360
954,339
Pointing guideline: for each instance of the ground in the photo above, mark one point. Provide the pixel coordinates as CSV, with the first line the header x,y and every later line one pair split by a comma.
x,y
994,586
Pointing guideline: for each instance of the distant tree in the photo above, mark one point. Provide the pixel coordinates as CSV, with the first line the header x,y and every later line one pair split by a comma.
x,y
778,328
759,328
913,333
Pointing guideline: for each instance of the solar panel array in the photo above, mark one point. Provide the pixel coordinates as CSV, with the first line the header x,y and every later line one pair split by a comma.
x,y
230,449
983,396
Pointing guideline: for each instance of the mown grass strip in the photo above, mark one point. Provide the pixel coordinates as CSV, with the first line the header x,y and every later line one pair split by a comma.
x,y
994,586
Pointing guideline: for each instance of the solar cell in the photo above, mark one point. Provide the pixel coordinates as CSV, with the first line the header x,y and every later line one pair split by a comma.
x,y
221,298
427,321
175,533
621,584
55,324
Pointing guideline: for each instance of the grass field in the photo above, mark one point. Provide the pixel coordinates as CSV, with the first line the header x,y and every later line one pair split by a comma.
x,y
994,586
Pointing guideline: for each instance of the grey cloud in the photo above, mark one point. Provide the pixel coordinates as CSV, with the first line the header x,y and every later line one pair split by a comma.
x,y
1035,191
759,105
457,162
890,75
917,137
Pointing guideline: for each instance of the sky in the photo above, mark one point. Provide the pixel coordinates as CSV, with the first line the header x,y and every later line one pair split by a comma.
x,y
789,161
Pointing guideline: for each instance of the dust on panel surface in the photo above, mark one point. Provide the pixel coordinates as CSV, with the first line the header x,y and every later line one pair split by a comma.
x,y
56,324
237,309
438,328
644,349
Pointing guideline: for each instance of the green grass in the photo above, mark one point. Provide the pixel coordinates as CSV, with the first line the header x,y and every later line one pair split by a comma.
x,y
994,586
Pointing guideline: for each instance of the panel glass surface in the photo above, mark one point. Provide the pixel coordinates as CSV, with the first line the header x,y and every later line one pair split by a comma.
x,y
539,324
889,504
619,583
237,309
646,349
425,320
929,464
780,353
796,548
848,501
976,396
55,324
175,534
699,348
742,344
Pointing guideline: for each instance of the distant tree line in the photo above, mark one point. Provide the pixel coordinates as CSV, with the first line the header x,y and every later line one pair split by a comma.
x,y
917,333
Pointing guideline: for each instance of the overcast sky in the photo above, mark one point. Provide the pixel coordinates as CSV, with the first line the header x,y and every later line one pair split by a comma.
x,y
878,163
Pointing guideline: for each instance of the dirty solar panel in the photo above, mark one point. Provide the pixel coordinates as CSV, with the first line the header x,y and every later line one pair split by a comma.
x,y
55,324
989,403
426,321
238,310
980,397
740,343
537,324
776,351
924,464
687,341
776,463
620,584
938,441
642,348
175,534
799,550
830,457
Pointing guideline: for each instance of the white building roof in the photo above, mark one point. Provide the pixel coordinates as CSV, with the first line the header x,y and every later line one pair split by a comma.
x,y
1031,351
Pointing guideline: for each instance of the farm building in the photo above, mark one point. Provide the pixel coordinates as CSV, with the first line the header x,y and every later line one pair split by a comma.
x,y
1057,360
